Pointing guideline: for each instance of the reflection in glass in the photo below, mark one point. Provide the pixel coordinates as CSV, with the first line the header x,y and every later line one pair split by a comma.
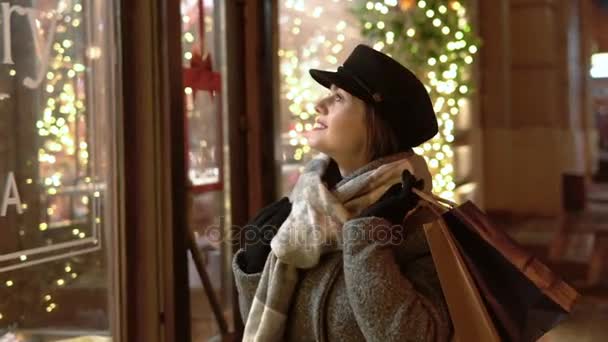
x,y
203,138
55,136
203,111
208,203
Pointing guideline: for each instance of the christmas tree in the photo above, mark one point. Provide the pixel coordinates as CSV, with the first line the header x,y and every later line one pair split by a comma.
x,y
435,40
60,198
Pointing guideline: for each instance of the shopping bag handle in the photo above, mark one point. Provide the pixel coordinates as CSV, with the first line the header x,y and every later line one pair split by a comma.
x,y
437,201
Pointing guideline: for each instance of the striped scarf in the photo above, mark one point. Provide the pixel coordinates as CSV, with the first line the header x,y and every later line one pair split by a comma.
x,y
312,229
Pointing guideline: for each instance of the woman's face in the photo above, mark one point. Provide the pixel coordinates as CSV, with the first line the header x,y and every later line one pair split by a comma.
x,y
340,129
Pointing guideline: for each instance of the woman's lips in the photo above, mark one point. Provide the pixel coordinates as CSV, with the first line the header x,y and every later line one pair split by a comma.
x,y
319,126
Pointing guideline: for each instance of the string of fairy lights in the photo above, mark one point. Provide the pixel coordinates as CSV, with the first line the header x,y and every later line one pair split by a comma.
x,y
435,40
432,37
62,134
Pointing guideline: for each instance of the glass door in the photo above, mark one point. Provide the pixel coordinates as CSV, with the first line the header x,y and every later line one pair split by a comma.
x,y
58,199
208,203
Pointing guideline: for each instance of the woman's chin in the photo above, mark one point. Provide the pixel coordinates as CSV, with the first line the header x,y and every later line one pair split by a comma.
x,y
315,145
313,138
317,140
320,150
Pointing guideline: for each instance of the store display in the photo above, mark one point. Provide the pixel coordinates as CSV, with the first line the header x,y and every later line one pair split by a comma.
x,y
56,152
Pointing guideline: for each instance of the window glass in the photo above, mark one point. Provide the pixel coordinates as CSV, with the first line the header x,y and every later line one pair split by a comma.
x,y
57,161
208,200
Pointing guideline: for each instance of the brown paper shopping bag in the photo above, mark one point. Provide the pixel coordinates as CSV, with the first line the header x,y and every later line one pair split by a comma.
x,y
470,318
522,298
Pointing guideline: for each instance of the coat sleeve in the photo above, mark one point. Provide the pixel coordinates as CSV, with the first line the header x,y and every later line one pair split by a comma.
x,y
391,300
246,283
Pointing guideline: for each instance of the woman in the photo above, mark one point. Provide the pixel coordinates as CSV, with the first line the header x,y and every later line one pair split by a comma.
x,y
344,257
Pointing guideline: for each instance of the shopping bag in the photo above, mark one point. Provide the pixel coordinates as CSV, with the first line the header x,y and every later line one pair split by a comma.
x,y
523,298
470,318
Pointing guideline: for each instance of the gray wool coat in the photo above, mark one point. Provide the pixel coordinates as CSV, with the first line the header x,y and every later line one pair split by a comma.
x,y
369,291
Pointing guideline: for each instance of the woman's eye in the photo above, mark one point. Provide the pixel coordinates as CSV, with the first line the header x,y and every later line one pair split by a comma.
x,y
338,97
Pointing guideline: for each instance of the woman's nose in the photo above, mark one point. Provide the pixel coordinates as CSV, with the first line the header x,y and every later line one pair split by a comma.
x,y
320,108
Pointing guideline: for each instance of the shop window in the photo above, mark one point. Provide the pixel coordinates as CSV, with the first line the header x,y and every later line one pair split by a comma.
x,y
57,188
204,122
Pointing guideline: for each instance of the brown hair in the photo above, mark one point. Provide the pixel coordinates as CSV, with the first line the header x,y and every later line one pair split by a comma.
x,y
381,138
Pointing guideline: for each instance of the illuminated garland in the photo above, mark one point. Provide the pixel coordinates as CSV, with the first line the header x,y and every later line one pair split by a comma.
x,y
64,108
435,40
63,124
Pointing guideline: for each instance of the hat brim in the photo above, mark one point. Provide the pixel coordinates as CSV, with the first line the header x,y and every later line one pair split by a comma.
x,y
340,80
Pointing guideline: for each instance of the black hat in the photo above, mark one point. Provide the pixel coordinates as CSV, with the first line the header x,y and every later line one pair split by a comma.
x,y
396,94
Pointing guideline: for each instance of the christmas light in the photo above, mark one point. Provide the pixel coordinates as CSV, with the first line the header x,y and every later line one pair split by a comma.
x,y
62,118
448,34
312,43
